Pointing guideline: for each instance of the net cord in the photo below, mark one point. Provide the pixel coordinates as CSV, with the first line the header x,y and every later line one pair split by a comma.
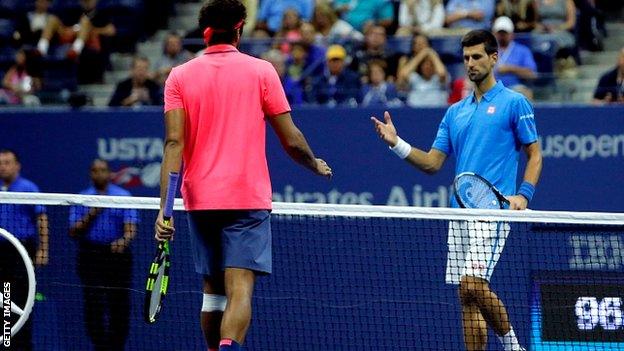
x,y
335,210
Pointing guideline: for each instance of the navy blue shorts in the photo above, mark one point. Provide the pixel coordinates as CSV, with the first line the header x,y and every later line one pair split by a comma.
x,y
231,239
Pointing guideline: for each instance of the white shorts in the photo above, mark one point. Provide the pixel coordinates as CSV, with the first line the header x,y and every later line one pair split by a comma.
x,y
474,248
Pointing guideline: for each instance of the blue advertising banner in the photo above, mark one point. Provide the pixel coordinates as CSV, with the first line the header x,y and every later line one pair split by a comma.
x,y
583,150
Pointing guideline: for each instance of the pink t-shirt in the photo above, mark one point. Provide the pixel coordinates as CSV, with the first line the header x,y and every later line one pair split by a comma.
x,y
226,96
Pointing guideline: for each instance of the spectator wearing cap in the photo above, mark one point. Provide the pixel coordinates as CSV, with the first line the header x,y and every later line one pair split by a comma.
x,y
469,14
338,85
516,66
610,89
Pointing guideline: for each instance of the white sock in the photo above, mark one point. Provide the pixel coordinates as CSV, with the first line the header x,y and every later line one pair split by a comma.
x,y
510,342
43,46
78,45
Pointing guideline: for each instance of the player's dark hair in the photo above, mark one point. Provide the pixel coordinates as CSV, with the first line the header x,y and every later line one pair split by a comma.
x,y
12,152
480,36
222,15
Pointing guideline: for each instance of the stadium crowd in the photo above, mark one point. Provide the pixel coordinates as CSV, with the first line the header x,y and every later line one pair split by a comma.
x,y
327,52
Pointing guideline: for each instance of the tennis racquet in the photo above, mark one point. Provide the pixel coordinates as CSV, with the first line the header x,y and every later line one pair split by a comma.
x,y
473,191
158,277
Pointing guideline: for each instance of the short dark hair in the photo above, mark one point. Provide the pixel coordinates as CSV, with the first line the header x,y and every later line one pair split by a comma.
x,y
480,36
222,15
12,152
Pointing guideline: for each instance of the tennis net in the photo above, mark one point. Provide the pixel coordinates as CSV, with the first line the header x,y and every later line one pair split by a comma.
x,y
345,277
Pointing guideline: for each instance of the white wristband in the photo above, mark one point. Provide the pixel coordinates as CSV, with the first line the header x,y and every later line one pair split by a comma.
x,y
402,148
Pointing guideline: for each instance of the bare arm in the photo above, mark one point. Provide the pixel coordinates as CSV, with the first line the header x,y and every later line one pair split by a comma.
x,y
531,174
174,145
410,66
295,144
429,162
570,16
534,163
121,244
80,227
439,66
172,161
41,257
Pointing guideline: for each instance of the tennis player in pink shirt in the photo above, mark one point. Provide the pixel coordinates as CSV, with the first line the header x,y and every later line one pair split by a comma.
x,y
216,106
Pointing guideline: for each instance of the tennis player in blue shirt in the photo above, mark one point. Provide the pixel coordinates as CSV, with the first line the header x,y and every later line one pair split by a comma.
x,y
486,132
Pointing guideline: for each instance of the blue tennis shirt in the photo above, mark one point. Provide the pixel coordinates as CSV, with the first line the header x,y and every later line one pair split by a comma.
x,y
21,220
108,225
486,136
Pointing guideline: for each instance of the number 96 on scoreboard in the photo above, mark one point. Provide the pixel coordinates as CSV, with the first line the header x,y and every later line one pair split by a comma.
x,y
577,311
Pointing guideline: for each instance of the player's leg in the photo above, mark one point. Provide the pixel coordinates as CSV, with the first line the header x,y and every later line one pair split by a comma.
x,y
213,305
246,253
487,240
474,326
239,285
205,229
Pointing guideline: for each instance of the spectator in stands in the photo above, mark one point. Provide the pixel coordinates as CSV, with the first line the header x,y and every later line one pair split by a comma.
x,y
292,87
361,14
331,28
19,85
374,48
138,89
523,13
338,85
315,62
515,66
610,89
38,19
290,30
425,77
469,14
82,35
29,224
104,261
271,14
557,19
591,28
378,91
419,42
420,16
296,63
173,55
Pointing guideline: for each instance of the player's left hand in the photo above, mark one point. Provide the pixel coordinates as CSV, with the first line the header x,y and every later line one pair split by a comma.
x,y
517,202
163,231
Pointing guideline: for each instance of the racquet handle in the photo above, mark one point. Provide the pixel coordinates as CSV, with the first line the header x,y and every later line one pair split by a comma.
x,y
171,192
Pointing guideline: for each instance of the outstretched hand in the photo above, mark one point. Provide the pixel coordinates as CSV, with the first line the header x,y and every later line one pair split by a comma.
x,y
323,169
386,131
